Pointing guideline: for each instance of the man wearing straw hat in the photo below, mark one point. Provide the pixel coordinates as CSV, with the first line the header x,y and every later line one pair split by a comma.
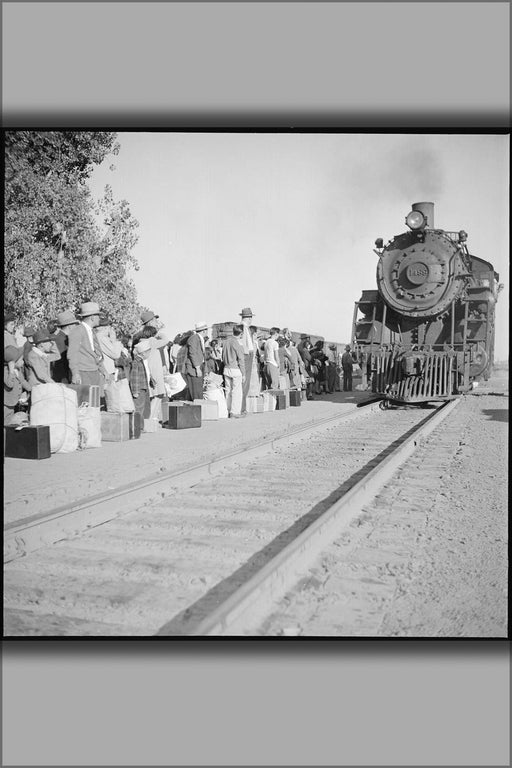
x,y
248,349
85,357
194,361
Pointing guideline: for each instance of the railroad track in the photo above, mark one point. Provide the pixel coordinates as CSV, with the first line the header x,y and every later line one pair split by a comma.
x,y
217,548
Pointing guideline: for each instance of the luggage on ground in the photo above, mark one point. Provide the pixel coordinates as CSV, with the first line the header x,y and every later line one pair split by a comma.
x,y
27,442
89,426
55,405
295,397
119,397
183,416
209,409
118,427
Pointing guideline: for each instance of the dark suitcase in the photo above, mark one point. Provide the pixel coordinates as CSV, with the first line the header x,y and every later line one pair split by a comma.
x,y
87,393
295,397
183,416
280,399
27,442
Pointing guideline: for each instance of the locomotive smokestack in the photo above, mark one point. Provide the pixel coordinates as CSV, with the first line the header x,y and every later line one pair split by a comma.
x,y
427,209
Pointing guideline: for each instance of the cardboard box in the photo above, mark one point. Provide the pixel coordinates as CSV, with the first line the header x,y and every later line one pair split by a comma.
x,y
30,442
183,415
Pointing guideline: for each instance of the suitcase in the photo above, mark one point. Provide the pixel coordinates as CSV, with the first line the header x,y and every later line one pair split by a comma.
x,y
280,397
87,393
295,397
118,427
31,442
183,415
209,409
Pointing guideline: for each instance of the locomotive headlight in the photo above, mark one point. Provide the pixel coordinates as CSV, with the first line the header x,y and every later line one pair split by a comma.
x,y
415,220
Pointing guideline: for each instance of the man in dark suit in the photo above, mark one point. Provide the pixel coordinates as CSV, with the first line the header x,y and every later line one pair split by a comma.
x,y
85,357
347,364
194,361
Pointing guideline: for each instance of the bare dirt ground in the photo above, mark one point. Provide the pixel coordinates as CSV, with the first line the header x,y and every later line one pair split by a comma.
x,y
429,557
32,487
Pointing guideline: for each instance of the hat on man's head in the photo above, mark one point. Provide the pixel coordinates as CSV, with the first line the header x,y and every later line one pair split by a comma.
x,y
201,327
29,330
147,316
347,347
66,318
8,316
89,308
246,312
11,354
304,336
42,334
332,346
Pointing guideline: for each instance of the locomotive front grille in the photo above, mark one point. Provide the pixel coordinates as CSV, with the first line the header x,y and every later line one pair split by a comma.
x,y
433,380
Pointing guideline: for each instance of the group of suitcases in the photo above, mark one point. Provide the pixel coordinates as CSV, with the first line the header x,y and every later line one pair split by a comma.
x,y
37,440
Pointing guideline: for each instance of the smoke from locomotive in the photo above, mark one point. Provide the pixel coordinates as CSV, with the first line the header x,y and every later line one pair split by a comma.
x,y
427,332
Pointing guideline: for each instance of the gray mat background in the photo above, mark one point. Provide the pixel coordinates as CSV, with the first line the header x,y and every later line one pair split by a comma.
x,y
372,65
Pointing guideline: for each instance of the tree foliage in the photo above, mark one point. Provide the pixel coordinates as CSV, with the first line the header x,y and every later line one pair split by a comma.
x,y
62,248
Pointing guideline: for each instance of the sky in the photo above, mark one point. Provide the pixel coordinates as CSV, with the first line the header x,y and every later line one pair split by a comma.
x,y
286,223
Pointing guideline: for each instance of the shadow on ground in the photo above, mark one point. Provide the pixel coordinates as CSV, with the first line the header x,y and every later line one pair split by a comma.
x,y
496,414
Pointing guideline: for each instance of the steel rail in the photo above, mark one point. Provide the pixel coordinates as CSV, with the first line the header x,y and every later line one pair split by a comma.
x,y
31,533
244,610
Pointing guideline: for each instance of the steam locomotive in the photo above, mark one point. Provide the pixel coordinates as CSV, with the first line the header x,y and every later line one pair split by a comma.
x,y
427,332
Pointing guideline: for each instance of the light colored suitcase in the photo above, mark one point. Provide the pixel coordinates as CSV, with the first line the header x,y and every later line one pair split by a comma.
x,y
209,409
255,404
269,401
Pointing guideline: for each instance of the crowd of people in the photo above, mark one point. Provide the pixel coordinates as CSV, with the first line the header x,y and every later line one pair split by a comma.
x,y
84,349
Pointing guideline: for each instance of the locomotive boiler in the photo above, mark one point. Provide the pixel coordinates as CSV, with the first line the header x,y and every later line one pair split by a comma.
x,y
427,332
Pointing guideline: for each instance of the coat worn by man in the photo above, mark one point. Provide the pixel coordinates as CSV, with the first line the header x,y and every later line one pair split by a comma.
x,y
59,368
139,386
347,363
84,358
38,365
110,347
194,360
